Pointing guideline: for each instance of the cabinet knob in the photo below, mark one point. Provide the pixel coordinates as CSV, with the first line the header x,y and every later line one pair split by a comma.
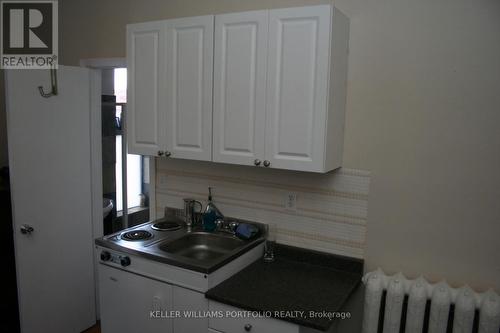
x,y
267,163
160,153
256,162
248,327
167,153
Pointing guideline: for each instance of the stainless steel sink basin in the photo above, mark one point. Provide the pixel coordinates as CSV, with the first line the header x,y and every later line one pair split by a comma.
x,y
203,246
193,249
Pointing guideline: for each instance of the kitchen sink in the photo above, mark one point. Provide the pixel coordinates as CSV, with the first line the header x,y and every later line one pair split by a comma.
x,y
203,246
190,248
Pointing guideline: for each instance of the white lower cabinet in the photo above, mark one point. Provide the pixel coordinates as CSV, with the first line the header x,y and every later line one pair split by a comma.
x,y
190,305
146,296
132,303
233,320
129,301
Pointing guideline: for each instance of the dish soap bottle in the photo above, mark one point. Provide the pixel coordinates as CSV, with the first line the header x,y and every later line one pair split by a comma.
x,y
211,214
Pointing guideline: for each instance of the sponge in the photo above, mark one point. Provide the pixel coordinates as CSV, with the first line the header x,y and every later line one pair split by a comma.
x,y
246,231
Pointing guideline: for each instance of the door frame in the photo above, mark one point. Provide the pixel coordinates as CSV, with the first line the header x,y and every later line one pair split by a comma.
x,y
109,63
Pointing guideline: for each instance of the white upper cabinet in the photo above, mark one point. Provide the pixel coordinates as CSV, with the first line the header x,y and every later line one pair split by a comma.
x,y
145,64
279,88
240,87
188,90
299,66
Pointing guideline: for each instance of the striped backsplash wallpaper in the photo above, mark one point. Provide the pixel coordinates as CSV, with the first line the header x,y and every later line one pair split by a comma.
x,y
331,209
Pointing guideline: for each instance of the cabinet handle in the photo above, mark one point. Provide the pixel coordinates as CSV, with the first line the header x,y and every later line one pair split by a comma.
x,y
256,162
26,229
160,153
248,327
167,153
267,163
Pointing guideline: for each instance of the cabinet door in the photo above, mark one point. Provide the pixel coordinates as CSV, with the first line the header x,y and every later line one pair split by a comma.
x,y
234,324
190,305
145,64
188,95
240,87
127,301
298,70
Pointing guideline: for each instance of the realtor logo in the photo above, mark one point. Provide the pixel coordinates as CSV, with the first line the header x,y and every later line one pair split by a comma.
x,y
29,34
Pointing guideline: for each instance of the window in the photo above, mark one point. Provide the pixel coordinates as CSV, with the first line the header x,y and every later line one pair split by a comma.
x,y
134,162
120,85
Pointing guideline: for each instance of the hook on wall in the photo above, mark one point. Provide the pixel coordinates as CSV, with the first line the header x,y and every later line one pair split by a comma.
x,y
53,82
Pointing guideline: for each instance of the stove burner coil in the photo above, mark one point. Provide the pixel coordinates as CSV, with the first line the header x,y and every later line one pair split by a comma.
x,y
166,226
136,235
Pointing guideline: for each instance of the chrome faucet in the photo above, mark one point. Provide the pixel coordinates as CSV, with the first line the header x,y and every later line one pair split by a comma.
x,y
189,211
226,226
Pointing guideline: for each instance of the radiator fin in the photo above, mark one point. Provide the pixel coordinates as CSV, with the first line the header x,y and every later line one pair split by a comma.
x,y
394,304
489,319
465,307
440,308
415,312
373,299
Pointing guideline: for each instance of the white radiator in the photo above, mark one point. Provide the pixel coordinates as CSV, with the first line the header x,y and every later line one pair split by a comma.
x,y
395,304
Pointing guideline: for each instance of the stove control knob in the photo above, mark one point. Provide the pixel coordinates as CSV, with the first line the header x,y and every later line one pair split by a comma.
x,y
105,256
124,261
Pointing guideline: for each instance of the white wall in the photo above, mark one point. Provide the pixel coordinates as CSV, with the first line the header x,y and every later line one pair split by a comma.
x,y
423,115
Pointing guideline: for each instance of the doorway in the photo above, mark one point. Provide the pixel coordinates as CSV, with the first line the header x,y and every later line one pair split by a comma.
x,y
111,127
126,177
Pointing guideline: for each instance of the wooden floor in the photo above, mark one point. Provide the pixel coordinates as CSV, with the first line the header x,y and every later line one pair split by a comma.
x,y
94,329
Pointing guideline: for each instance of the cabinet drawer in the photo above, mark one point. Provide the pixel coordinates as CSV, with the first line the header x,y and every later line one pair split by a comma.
x,y
235,324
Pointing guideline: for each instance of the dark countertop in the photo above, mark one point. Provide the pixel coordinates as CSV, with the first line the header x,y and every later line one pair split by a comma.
x,y
298,280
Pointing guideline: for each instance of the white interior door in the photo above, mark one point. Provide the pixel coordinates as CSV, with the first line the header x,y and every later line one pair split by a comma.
x,y
297,87
188,96
240,87
50,162
145,64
